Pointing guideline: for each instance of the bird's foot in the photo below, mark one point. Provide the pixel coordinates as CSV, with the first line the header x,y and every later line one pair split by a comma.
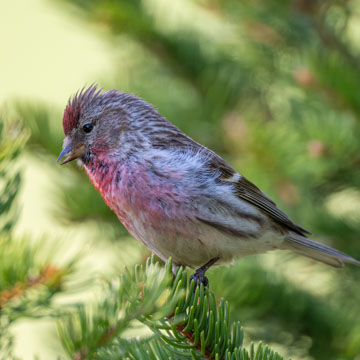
x,y
199,278
199,275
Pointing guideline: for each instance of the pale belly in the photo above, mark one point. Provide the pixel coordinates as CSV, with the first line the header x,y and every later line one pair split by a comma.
x,y
194,244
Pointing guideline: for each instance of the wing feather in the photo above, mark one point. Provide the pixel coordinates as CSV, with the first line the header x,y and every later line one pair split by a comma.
x,y
173,138
248,191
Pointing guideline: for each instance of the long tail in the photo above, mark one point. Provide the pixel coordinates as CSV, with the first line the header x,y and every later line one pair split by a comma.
x,y
314,250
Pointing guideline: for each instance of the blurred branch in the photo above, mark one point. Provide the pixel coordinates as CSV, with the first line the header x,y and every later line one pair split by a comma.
x,y
50,275
45,128
12,141
27,283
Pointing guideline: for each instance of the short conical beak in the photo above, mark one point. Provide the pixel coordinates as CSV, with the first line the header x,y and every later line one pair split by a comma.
x,y
73,152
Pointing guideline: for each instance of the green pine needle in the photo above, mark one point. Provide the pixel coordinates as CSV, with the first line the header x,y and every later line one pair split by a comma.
x,y
186,322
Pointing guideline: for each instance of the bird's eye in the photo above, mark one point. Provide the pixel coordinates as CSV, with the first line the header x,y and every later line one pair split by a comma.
x,y
88,127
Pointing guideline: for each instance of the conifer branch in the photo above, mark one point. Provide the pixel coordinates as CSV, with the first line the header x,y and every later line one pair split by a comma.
x,y
185,321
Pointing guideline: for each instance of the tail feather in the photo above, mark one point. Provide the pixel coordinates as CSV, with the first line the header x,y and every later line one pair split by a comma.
x,y
317,251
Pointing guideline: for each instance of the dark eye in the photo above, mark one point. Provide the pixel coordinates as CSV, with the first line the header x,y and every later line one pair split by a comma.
x,y
88,127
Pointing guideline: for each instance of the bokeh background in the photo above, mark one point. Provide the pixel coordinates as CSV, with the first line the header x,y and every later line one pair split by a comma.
x,y
271,85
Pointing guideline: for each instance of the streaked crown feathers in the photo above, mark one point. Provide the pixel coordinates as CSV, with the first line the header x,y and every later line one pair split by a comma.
x,y
76,104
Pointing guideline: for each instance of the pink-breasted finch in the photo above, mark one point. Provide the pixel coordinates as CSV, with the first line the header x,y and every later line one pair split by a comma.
x,y
179,198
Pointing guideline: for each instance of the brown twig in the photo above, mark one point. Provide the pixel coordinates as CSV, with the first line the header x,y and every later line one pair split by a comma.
x,y
49,275
190,337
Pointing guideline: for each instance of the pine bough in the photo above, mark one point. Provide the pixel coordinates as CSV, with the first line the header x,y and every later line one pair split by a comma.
x,y
185,322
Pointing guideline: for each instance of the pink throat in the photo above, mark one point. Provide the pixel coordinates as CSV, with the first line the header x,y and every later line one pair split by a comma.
x,y
106,177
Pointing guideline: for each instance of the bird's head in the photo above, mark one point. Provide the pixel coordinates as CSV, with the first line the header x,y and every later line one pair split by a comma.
x,y
102,124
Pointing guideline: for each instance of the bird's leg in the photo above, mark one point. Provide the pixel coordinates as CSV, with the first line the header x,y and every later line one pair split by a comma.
x,y
199,275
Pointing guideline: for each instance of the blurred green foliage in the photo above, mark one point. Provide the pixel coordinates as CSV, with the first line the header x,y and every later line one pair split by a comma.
x,y
273,86
12,141
29,278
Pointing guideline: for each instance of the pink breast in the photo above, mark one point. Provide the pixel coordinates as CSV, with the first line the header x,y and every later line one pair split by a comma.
x,y
131,190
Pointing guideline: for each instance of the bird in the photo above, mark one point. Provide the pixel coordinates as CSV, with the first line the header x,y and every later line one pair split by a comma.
x,y
179,198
